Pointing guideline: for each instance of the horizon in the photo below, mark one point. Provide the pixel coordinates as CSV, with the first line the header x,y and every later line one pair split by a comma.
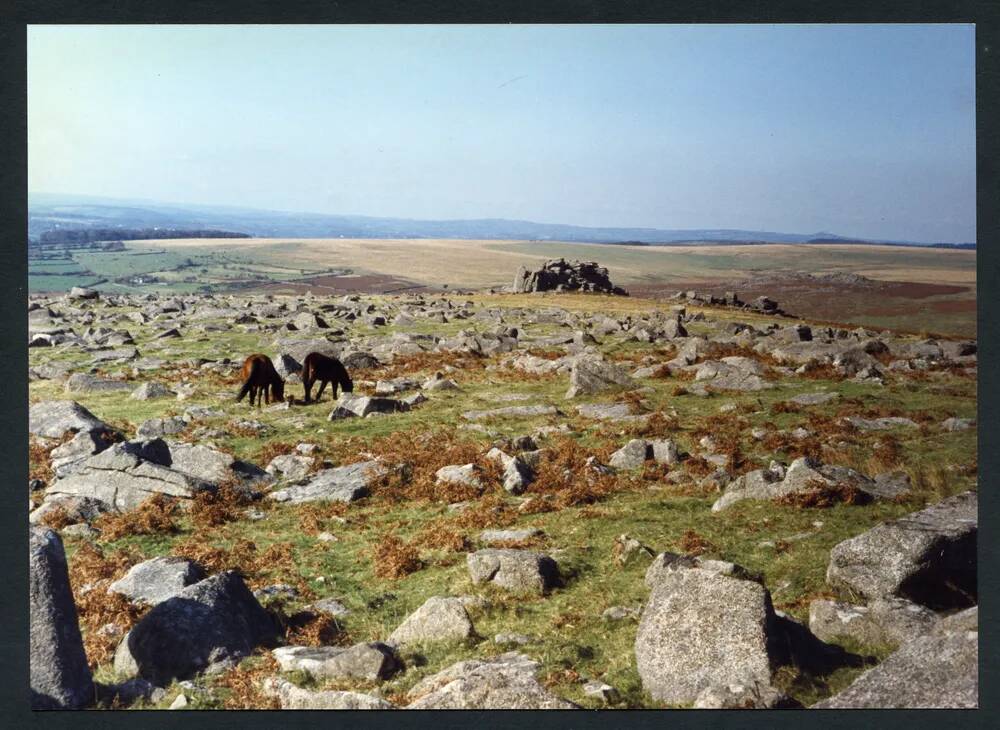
x,y
218,206
669,127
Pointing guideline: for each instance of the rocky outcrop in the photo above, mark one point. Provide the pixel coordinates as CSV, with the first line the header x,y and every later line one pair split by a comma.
x,y
560,275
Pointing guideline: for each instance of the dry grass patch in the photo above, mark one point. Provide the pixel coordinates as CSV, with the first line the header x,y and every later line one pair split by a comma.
x,y
155,516
245,684
392,558
822,495
214,507
692,543
104,617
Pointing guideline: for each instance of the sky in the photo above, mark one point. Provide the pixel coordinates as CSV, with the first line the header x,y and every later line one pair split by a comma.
x,y
861,130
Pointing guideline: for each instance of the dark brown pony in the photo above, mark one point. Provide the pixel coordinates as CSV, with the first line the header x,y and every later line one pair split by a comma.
x,y
318,367
260,378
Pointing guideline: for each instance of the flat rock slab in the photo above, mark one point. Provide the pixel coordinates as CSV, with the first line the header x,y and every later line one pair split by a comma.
x,y
885,622
880,424
121,479
341,484
52,419
512,412
507,682
813,399
438,619
514,570
60,677
371,661
928,557
292,697
501,536
349,406
937,670
154,581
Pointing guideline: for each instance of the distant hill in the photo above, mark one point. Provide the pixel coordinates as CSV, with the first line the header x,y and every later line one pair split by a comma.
x,y
50,212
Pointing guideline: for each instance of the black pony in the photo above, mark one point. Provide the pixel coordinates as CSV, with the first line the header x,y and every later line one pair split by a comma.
x,y
319,367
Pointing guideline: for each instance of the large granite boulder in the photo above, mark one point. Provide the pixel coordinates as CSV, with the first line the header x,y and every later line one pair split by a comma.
x,y
206,627
928,557
884,622
60,677
702,628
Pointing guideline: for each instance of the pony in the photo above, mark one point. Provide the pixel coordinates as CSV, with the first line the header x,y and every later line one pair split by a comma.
x,y
260,378
325,369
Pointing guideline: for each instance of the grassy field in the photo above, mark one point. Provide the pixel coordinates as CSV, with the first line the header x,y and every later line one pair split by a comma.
x,y
788,544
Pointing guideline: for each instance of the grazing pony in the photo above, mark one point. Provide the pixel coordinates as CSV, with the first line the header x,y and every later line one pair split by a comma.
x,y
325,369
260,378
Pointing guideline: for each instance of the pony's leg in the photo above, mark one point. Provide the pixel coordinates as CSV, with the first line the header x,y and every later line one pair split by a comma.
x,y
322,387
308,386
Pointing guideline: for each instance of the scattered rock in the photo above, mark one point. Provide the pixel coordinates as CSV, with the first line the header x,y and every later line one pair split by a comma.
x,y
150,391
592,374
296,698
52,419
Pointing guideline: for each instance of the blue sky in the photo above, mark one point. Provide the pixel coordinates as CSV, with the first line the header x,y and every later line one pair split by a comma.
x,y
860,130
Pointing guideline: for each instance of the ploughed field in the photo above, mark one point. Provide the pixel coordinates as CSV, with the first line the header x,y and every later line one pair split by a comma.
x,y
582,437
